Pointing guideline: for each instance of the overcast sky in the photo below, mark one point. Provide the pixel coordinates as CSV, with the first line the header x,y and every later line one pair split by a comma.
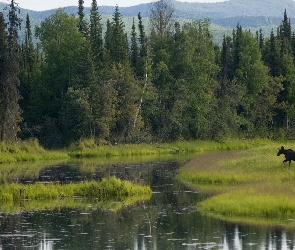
x,y
52,4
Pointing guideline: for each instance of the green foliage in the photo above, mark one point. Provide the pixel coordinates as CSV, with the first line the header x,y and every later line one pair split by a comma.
x,y
169,84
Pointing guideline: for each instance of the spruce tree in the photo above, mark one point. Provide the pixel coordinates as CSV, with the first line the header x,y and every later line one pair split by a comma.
x,y
225,63
10,96
3,46
29,84
96,40
285,35
119,44
142,48
271,56
134,56
83,27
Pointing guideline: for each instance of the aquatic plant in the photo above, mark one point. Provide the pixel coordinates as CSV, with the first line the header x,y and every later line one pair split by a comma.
x,y
85,205
110,188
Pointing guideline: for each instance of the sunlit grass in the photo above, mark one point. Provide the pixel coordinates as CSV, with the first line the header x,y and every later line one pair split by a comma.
x,y
29,150
255,183
111,188
89,149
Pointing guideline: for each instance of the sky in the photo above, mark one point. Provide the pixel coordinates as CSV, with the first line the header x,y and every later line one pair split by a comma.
x,y
53,4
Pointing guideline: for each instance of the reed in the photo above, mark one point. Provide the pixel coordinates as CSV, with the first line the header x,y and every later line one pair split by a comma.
x,y
110,188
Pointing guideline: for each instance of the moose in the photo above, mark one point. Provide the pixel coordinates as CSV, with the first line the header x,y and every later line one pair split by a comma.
x,y
289,154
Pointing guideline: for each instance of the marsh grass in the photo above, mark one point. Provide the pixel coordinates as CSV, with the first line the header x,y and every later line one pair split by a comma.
x,y
89,149
255,183
111,188
29,150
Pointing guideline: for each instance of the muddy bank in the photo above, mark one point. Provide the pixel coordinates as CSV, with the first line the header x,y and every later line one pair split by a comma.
x,y
211,160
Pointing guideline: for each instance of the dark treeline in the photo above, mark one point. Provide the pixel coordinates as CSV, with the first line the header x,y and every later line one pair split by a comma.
x,y
166,83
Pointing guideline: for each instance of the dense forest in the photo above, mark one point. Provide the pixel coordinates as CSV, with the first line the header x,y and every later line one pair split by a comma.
x,y
165,83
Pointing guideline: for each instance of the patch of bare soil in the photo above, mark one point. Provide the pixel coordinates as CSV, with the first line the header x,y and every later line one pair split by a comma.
x,y
210,160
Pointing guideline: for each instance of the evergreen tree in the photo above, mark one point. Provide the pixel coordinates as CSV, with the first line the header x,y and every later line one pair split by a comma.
x,y
134,54
96,39
9,92
82,26
3,46
108,38
285,34
29,84
178,54
237,37
142,48
272,55
226,65
116,42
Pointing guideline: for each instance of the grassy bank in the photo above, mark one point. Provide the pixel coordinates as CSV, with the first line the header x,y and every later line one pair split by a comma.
x,y
31,150
88,148
247,184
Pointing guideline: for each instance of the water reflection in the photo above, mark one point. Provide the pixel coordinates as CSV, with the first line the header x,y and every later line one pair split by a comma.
x,y
46,244
169,220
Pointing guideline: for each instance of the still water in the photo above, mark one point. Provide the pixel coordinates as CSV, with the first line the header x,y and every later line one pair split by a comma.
x,y
169,220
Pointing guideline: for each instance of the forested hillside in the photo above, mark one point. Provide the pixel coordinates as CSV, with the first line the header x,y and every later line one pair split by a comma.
x,y
166,82
251,13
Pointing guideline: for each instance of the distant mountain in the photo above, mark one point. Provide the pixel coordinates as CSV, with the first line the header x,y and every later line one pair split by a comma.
x,y
223,15
249,13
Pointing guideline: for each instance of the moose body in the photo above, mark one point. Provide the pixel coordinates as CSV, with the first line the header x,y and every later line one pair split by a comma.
x,y
289,154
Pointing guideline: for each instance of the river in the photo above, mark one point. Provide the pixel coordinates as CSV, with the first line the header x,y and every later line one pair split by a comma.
x,y
169,220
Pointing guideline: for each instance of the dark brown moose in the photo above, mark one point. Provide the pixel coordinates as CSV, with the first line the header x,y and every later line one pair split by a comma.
x,y
289,154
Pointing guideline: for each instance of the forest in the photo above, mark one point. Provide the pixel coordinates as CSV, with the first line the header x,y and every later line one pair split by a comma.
x,y
163,83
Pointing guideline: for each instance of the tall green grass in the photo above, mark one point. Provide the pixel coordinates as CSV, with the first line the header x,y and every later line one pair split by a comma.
x,y
89,149
255,184
29,150
111,188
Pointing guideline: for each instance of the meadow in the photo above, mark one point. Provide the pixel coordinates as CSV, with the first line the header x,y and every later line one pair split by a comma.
x,y
31,150
251,185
